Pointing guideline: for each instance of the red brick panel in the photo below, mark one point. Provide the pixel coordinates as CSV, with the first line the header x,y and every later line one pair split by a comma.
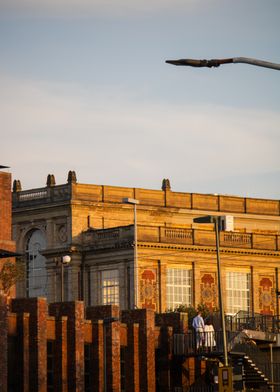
x,y
60,376
5,206
146,320
23,351
37,308
164,359
132,358
111,331
98,357
75,341
3,344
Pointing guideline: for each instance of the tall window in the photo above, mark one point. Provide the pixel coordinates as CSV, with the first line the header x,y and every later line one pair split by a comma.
x,y
238,291
36,265
178,287
110,287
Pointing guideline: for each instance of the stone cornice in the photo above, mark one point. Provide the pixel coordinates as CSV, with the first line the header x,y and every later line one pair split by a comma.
x,y
207,249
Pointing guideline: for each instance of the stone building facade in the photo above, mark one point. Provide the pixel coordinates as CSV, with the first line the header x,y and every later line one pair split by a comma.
x,y
176,258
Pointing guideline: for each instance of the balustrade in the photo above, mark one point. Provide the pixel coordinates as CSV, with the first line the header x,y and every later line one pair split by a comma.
x,y
33,195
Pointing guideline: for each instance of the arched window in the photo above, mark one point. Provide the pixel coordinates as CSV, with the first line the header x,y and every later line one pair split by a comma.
x,y
36,272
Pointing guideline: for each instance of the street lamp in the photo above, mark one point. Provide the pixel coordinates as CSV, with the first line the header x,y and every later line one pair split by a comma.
x,y
65,260
216,220
217,62
134,202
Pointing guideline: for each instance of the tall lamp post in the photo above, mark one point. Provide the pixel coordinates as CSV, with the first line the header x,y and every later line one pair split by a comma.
x,y
226,372
215,219
65,260
134,202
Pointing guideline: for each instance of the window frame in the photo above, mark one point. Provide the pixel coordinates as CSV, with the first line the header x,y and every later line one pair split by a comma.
x,y
110,293
183,287
234,285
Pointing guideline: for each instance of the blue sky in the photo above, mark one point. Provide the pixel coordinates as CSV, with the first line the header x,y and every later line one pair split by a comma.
x,y
85,87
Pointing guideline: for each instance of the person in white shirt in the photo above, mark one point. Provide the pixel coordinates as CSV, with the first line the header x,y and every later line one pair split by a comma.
x,y
198,325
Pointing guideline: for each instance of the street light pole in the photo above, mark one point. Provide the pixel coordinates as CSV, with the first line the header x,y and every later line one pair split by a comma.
x,y
64,260
217,62
215,220
134,202
221,302
225,372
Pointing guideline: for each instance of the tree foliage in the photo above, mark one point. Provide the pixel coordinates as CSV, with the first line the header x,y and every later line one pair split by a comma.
x,y
192,311
10,273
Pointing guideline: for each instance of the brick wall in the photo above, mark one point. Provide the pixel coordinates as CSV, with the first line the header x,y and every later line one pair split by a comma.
x,y
5,206
6,242
50,355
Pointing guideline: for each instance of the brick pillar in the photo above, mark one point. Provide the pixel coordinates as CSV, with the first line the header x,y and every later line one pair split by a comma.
x,y
60,377
75,341
146,320
132,358
112,336
164,359
98,357
23,352
37,308
6,219
3,344
171,323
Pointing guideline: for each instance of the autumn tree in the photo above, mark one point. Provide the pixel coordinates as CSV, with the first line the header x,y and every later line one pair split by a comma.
x,y
10,273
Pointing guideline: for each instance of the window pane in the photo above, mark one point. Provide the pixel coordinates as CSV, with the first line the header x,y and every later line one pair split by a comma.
x,y
178,287
110,287
238,291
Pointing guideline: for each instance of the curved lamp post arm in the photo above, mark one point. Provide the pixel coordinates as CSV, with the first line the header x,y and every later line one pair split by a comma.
x,y
217,62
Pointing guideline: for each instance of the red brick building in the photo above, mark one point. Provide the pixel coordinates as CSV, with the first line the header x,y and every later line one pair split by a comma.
x,y
6,243
7,246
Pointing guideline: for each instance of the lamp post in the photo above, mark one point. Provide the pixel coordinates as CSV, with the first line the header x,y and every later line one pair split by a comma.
x,y
134,202
217,62
215,220
226,370
65,260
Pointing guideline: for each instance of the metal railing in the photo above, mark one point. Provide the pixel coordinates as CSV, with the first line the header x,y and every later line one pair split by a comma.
x,y
203,343
258,322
